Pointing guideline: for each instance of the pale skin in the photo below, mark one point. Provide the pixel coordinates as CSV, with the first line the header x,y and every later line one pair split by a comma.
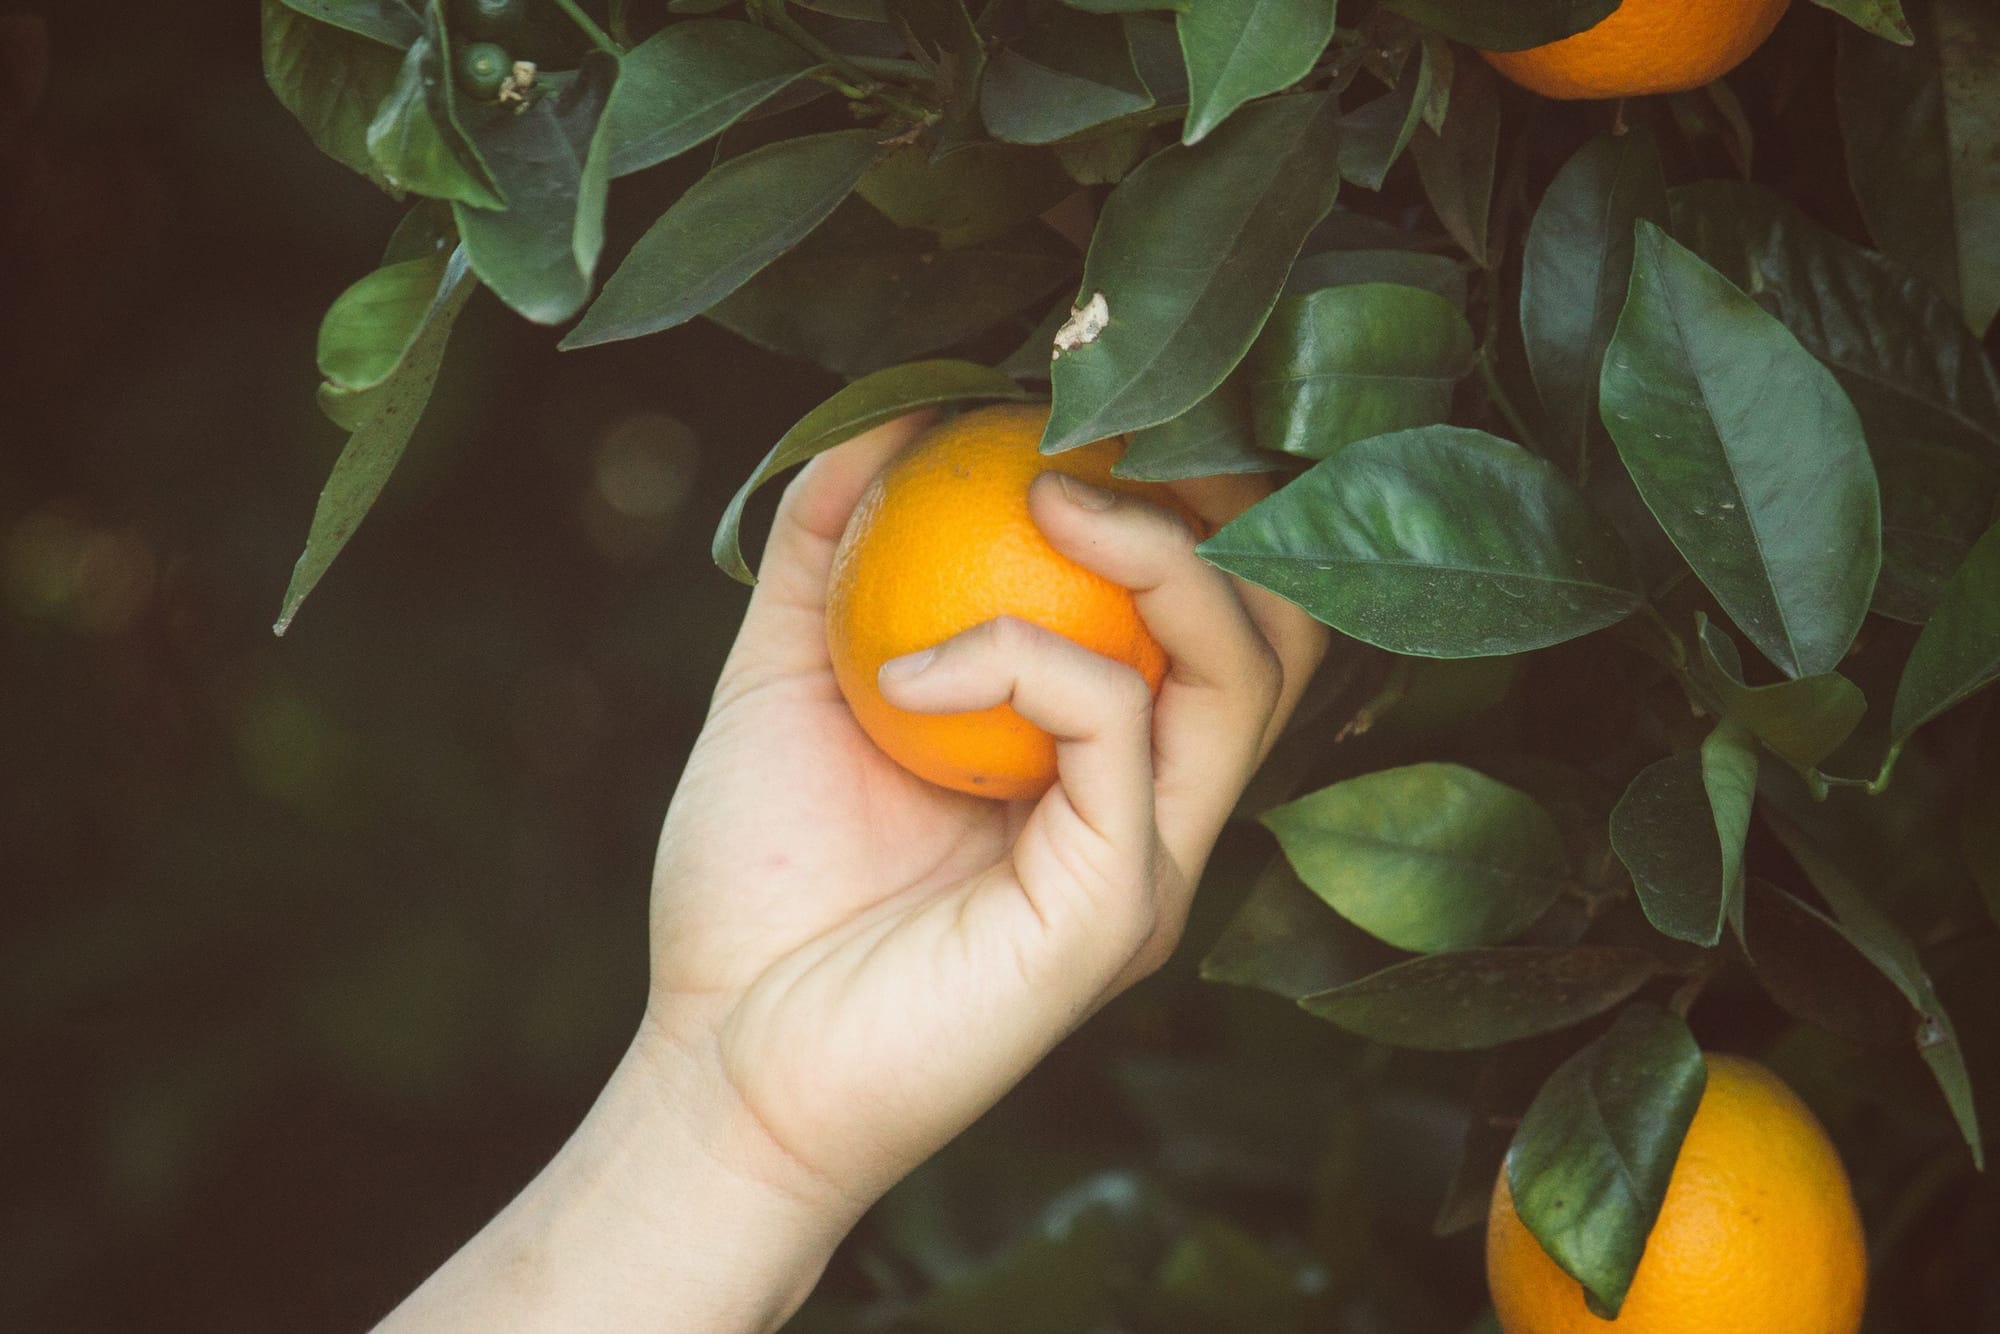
x,y
849,964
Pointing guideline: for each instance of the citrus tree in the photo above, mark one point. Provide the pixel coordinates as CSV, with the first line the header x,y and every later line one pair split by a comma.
x,y
1636,426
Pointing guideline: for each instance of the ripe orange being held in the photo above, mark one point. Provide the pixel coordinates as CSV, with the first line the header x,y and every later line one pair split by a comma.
x,y
1645,46
1759,1233
942,541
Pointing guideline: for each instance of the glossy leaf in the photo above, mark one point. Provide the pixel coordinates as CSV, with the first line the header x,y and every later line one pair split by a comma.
x,y
1427,857
1810,968
1345,363
369,327
1470,999
866,403
1679,830
1456,163
1884,18
1375,134
1212,438
1894,954
1513,26
977,194
549,159
332,81
1409,268
1921,125
1285,940
416,143
393,23
377,443
1575,268
1589,1166
1237,50
1441,542
689,82
1802,721
1072,74
1958,652
1190,253
728,226
1718,413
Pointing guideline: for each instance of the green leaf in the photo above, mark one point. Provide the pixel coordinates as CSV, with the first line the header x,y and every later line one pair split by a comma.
x,y
1802,721
1220,1280
1190,253
1884,18
332,81
1407,268
1922,129
1717,412
1104,157
1877,936
1958,653
1456,164
378,440
1810,968
388,22
1478,998
1073,73
1441,542
1574,271
1428,857
1212,438
549,159
977,194
1589,1166
1513,26
1285,940
417,145
1679,830
691,81
730,224
1928,397
1237,50
1344,363
861,294
1374,134
865,404
369,328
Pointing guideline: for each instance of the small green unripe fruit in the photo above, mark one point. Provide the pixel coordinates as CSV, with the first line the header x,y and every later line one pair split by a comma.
x,y
482,68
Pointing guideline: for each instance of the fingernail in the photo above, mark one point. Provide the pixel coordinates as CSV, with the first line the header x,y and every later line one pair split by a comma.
x,y
1084,495
907,666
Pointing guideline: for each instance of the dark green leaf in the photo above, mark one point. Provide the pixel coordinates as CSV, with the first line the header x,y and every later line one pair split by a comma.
x,y
860,406
1221,1281
1237,50
417,145
1208,440
549,160
1441,542
389,22
1679,830
1884,18
1344,363
1717,412
1428,857
1807,964
1922,130
1877,936
1285,940
1456,163
1103,158
1958,652
1478,998
1590,1163
1190,253
1802,721
1125,6
1513,26
860,294
1374,134
331,80
1073,73
1574,272
730,224
1342,268
979,193
689,82
370,326
378,440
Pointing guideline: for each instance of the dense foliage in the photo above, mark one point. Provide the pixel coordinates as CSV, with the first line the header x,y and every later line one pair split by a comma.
x,y
1647,454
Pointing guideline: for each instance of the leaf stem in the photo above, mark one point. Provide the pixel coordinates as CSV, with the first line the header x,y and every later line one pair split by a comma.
x,y
861,72
620,32
599,38
1497,394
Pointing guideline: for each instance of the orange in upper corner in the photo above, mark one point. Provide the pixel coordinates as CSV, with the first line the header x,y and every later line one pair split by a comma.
x,y
942,541
1645,46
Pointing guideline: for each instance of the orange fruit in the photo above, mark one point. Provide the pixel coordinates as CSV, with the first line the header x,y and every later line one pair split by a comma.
x,y
1759,1233
942,541
1645,46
